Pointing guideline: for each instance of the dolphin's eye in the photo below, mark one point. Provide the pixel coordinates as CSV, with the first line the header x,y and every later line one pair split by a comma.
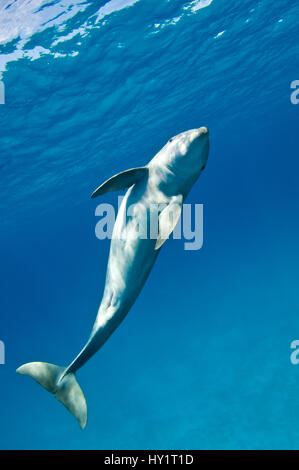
x,y
170,140
203,167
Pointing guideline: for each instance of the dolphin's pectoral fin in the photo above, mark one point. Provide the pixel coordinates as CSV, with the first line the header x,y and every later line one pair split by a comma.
x,y
121,181
168,219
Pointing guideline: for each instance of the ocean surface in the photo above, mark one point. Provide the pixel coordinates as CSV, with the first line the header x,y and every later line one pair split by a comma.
x,y
202,361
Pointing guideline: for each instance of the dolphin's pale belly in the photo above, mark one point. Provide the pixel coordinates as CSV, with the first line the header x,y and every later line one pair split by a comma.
x,y
131,259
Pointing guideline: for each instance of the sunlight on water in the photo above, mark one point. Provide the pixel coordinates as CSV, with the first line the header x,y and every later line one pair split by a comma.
x,y
21,20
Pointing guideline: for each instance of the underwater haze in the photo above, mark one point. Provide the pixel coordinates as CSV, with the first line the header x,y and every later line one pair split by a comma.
x,y
202,361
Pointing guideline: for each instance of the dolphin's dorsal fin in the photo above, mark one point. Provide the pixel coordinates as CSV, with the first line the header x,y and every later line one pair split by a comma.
x,y
168,219
121,181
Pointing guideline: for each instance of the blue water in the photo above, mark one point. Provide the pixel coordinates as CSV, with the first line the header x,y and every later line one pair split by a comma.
x,y
203,359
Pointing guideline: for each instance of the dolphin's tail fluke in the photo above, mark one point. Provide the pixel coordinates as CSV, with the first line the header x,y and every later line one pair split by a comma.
x,y
65,387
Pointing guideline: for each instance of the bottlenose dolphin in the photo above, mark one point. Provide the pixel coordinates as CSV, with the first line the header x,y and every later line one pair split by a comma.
x,y
166,180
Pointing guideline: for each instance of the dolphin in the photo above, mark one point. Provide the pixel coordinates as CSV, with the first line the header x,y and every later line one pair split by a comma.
x,y
165,181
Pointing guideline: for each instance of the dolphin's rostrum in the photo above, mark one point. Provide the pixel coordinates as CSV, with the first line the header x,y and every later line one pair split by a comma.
x,y
165,180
